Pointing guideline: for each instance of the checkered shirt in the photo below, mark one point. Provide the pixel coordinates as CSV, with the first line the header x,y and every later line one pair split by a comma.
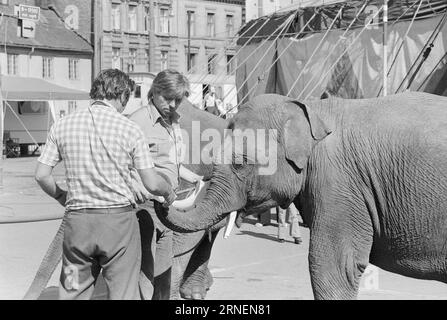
x,y
97,156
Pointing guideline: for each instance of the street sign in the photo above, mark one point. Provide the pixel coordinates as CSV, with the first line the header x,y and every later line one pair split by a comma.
x,y
29,13
28,29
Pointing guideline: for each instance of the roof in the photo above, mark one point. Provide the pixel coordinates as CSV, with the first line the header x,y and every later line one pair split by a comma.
x,y
398,9
51,33
35,89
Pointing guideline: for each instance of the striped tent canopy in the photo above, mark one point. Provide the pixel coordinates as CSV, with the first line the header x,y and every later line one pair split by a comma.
x,y
321,49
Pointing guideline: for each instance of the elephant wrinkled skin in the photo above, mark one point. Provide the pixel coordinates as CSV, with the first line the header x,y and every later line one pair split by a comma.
x,y
368,176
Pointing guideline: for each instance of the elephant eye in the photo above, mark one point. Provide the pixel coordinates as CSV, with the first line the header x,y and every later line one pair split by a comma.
x,y
238,161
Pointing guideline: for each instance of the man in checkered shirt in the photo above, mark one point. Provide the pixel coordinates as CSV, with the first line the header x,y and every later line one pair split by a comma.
x,y
98,146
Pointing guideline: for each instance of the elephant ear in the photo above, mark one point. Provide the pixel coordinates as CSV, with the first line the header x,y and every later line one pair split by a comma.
x,y
302,130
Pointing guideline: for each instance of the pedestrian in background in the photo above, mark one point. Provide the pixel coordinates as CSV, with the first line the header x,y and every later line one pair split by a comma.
x,y
210,102
98,145
288,217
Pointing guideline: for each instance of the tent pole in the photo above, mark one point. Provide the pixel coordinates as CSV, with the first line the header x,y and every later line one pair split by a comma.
x,y
385,48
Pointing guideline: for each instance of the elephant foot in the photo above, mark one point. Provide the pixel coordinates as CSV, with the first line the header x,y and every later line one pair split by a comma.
x,y
193,293
196,290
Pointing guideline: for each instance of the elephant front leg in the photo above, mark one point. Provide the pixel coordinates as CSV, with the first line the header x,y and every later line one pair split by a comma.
x,y
337,259
198,278
184,245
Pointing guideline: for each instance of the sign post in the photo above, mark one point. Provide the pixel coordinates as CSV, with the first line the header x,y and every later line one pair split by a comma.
x,y
29,13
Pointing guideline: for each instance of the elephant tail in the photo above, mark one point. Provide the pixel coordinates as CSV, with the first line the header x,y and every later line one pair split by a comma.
x,y
47,266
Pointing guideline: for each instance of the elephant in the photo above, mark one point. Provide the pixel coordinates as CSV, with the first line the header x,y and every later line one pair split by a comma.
x,y
190,277
368,176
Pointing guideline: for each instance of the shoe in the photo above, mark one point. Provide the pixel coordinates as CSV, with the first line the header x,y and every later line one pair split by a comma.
x,y
281,240
298,240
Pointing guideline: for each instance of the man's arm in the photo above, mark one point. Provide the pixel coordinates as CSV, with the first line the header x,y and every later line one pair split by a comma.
x,y
46,182
157,185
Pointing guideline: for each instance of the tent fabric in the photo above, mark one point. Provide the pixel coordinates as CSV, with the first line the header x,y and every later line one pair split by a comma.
x,y
35,89
358,74
402,9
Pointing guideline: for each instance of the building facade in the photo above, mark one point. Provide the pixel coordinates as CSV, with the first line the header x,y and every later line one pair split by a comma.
x,y
56,54
207,53
143,37
259,8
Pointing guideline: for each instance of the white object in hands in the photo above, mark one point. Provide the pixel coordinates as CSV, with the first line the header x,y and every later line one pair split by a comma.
x,y
188,203
231,219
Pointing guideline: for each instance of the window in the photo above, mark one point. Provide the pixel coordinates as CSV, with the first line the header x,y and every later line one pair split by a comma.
x,y
210,25
72,106
132,18
164,59
164,21
230,25
137,92
32,107
192,26
5,2
132,60
231,63
146,57
116,58
116,16
13,64
47,69
192,60
147,17
73,69
212,63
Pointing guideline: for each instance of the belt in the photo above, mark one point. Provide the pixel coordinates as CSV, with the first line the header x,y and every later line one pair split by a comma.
x,y
104,210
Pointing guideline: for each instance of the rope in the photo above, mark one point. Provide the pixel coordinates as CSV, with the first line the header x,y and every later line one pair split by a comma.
x,y
431,39
190,71
31,218
271,66
259,29
430,74
282,27
335,47
23,125
402,43
341,56
315,51
239,50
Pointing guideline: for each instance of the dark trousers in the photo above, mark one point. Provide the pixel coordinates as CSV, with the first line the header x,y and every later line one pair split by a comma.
x,y
92,242
156,243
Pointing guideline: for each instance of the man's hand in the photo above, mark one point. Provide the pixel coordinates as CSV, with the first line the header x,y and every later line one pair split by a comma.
x,y
139,191
61,197
169,199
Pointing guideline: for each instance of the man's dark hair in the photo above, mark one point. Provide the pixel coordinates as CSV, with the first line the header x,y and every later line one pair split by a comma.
x,y
110,84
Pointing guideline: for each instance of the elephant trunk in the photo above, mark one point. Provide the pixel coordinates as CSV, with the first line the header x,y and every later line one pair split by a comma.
x,y
48,265
222,197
